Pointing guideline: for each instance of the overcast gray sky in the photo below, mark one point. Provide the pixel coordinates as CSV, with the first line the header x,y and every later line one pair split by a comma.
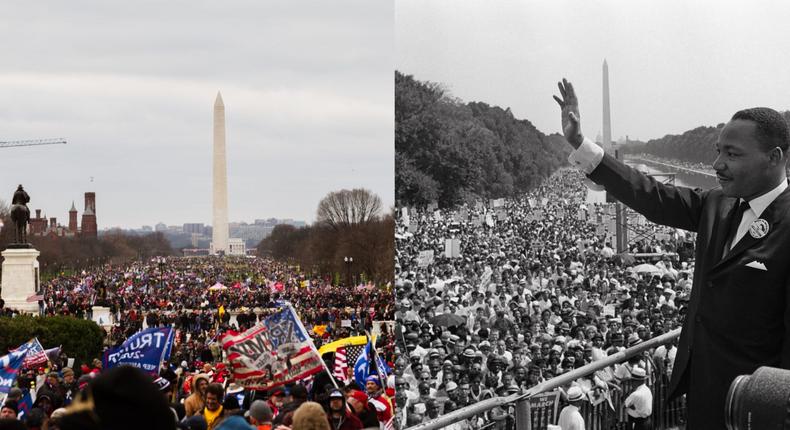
x,y
673,65
307,85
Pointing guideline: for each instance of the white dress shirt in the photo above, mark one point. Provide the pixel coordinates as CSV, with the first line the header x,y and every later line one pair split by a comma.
x,y
639,404
757,206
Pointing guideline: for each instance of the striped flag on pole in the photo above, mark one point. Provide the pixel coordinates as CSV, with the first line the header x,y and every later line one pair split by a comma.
x,y
274,352
36,355
340,371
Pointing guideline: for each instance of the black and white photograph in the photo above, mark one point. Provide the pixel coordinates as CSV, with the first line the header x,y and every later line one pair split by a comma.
x,y
589,201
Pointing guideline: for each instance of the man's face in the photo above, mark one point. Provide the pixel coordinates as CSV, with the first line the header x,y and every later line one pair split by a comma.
x,y
336,404
201,386
68,379
356,405
212,402
371,386
7,413
743,166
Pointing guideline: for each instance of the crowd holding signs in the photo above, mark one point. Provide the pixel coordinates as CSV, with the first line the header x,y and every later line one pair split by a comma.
x,y
210,342
535,290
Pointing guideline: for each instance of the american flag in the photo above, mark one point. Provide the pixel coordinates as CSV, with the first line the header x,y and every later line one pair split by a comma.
x,y
36,355
349,354
341,365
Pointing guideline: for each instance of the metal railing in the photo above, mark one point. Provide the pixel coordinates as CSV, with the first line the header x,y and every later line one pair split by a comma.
x,y
521,400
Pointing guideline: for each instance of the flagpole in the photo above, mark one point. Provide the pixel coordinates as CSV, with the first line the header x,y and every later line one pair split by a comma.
x,y
312,345
378,369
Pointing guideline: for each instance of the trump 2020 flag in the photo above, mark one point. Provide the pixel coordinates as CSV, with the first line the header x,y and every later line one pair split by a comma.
x,y
274,352
9,367
145,350
362,366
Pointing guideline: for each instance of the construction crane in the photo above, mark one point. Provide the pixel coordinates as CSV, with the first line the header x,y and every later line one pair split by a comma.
x,y
33,142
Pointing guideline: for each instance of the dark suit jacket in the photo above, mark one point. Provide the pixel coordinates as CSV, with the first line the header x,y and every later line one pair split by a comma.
x,y
738,317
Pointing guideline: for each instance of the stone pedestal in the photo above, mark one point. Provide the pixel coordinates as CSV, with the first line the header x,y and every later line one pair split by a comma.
x,y
20,278
101,316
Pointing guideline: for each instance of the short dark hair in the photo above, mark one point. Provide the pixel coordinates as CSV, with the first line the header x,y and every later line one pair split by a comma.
x,y
772,128
217,390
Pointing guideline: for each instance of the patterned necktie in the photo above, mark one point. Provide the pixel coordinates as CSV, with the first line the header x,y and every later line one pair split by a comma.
x,y
735,222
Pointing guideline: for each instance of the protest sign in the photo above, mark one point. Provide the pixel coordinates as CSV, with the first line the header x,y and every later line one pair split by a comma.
x,y
9,367
274,352
543,409
452,248
425,259
145,350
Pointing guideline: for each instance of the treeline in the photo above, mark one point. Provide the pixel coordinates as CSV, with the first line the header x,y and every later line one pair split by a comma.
x,y
696,146
75,253
450,152
320,249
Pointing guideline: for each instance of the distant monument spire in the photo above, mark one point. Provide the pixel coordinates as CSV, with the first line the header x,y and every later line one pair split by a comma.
x,y
220,235
607,122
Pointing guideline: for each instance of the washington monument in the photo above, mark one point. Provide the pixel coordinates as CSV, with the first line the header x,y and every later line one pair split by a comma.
x,y
219,244
607,122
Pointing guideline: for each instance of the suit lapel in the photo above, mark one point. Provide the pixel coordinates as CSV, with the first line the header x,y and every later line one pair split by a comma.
x,y
773,214
720,231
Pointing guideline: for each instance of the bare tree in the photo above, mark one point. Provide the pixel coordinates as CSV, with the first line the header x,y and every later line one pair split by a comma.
x,y
345,208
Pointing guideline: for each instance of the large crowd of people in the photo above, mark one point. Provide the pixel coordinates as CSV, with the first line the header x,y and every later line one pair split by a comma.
x,y
494,298
198,295
201,298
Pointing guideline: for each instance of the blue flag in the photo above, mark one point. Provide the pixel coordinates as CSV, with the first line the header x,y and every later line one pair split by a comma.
x,y
26,403
9,367
362,366
145,350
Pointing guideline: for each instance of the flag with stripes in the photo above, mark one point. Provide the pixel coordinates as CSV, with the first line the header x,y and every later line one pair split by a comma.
x,y
340,371
274,352
35,353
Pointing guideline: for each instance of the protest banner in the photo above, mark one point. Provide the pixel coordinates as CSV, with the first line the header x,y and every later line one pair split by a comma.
x,y
476,221
425,259
489,220
581,214
452,248
405,215
437,215
538,214
543,409
145,350
9,367
274,352
413,227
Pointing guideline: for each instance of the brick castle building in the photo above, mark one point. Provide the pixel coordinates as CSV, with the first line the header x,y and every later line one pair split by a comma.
x,y
41,226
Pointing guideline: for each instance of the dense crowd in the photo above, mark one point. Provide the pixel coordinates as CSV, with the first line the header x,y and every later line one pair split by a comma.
x,y
126,398
201,298
536,291
199,295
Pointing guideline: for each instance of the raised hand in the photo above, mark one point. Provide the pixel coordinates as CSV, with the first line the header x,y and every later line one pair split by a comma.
x,y
571,126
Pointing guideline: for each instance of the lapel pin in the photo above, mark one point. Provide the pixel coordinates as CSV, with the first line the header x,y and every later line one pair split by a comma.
x,y
759,228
